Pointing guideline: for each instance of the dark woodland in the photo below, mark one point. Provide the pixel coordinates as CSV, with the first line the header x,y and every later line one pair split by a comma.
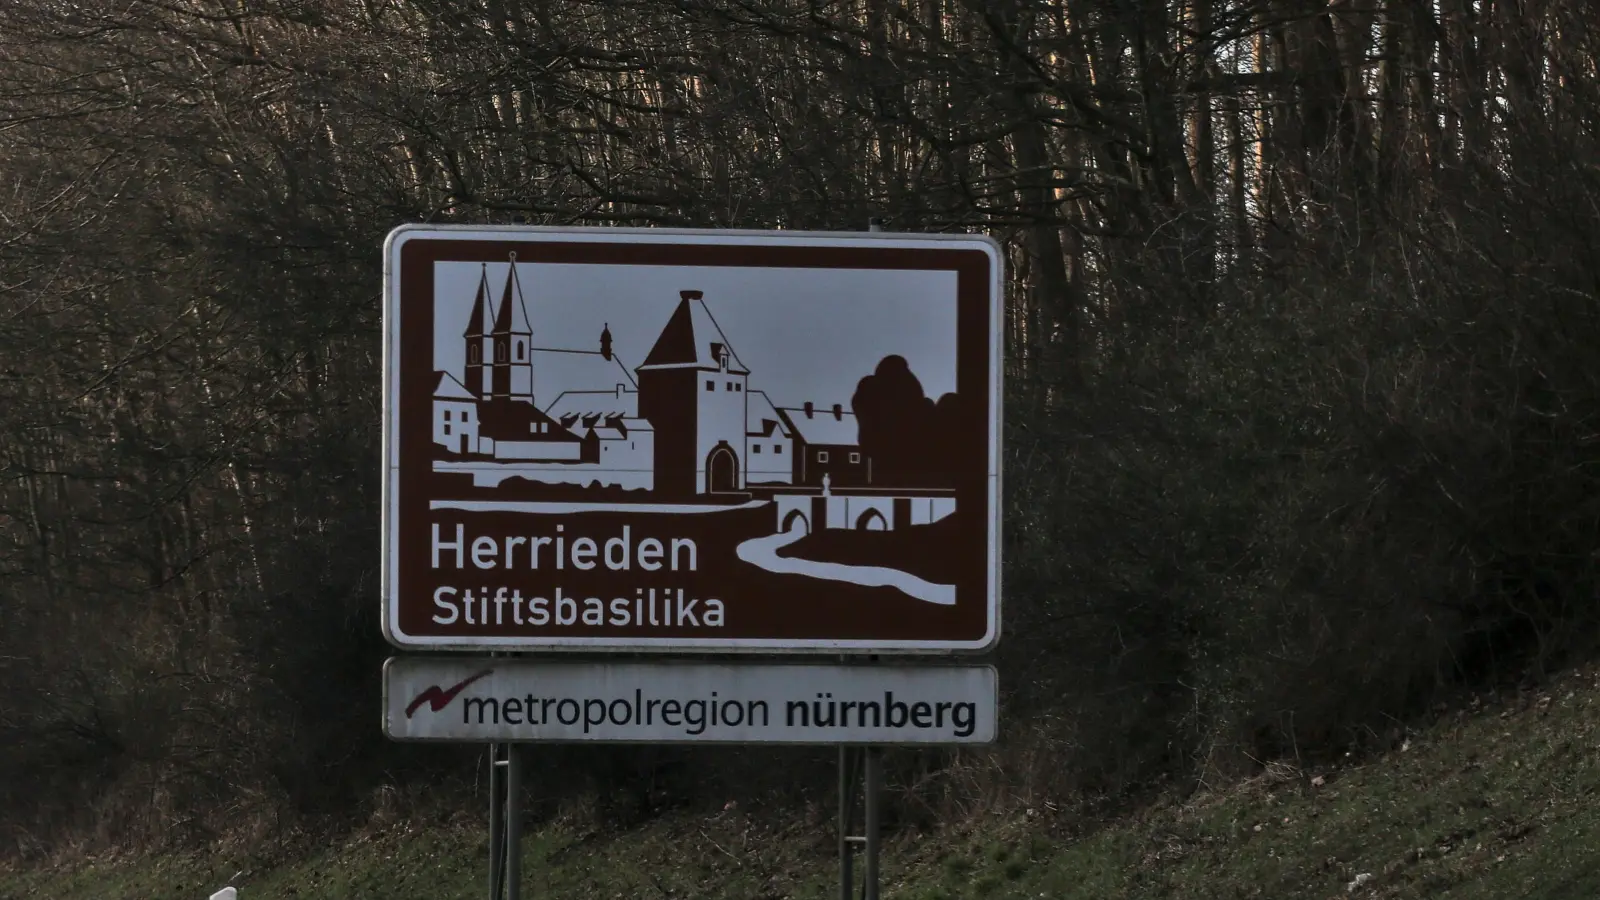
x,y
1303,402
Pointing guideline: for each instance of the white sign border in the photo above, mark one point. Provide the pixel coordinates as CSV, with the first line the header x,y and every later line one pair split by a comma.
x,y
389,564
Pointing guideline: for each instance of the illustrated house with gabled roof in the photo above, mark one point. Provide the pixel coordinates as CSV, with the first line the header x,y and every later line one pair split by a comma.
x,y
769,443
827,446
608,422
455,415
512,430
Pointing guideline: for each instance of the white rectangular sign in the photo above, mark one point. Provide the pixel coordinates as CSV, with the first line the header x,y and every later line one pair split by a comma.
x,y
489,700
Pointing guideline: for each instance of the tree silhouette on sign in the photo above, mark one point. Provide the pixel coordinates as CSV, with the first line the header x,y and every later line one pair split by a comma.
x,y
906,434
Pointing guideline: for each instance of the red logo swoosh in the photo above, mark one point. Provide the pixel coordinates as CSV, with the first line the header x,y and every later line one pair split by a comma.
x,y
438,699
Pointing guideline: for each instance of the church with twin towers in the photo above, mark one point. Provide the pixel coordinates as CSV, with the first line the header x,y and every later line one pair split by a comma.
x,y
682,423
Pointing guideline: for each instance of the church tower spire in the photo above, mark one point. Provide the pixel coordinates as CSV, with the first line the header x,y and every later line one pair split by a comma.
x,y
512,339
479,345
605,341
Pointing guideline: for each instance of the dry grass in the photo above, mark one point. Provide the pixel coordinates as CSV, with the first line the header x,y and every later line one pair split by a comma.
x,y
1494,800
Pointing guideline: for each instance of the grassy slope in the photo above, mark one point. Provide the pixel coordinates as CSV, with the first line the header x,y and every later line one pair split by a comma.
x,y
1494,803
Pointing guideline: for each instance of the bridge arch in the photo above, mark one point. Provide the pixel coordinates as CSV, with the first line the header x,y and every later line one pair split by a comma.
x,y
796,519
872,520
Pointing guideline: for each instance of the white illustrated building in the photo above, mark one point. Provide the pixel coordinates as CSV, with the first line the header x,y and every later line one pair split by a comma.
x,y
684,422
455,415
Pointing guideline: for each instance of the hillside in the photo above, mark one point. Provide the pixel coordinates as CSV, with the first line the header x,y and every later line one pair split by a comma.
x,y
1493,800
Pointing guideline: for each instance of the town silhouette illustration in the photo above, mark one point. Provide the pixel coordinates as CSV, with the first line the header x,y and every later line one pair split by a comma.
x,y
522,426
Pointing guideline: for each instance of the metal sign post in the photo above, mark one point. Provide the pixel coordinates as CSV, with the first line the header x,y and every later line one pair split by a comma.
x,y
874,808
513,822
505,821
870,783
847,806
496,823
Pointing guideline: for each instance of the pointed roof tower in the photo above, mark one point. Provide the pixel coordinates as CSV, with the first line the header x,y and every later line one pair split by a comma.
x,y
513,315
692,340
481,322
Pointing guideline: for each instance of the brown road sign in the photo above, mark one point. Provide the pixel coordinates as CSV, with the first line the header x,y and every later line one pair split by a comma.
x,y
691,440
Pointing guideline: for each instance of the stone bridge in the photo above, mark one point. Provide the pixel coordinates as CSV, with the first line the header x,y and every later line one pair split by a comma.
x,y
861,511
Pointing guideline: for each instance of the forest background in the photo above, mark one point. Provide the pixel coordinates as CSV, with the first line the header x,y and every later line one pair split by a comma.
x,y
1303,414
